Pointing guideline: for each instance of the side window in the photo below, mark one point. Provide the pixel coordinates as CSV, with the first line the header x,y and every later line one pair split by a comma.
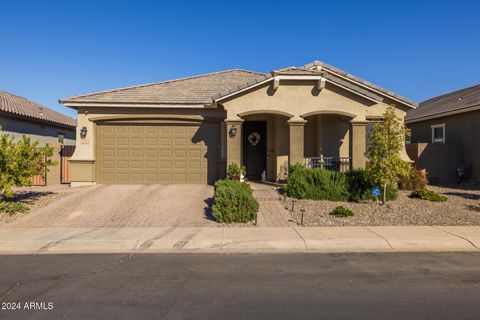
x,y
61,137
438,133
408,136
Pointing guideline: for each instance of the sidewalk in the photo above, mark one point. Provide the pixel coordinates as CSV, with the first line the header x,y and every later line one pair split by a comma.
x,y
256,239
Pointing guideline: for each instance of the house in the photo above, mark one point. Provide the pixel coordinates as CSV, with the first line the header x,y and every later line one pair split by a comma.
x,y
188,130
445,136
19,116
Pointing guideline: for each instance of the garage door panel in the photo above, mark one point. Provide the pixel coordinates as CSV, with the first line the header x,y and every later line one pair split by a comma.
x,y
157,153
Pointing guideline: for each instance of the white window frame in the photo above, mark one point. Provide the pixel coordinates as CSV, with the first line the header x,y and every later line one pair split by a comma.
x,y
436,126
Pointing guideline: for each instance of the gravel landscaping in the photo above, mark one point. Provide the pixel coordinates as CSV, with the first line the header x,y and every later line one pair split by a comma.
x,y
461,209
34,198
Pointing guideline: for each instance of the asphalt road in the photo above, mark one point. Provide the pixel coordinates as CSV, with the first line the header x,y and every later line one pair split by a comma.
x,y
242,286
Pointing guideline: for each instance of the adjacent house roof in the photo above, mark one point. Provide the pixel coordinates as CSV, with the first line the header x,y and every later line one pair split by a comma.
x,y
454,102
19,106
211,87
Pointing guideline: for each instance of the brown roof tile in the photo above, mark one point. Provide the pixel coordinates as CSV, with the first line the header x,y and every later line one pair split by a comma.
x,y
204,89
193,90
452,101
20,106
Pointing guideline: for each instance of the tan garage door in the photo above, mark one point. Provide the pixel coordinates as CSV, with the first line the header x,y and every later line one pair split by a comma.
x,y
157,153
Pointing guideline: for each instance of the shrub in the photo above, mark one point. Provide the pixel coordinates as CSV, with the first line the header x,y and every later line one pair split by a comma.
x,y
416,179
235,172
20,161
233,201
425,194
341,212
316,184
360,187
11,207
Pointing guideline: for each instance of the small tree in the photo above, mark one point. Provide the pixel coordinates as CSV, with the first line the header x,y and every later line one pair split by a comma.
x,y
20,161
386,141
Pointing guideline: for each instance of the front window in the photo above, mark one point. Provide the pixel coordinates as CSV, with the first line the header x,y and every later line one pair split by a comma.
x,y
408,136
438,133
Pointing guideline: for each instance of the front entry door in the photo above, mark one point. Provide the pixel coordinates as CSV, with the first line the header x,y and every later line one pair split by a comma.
x,y
254,148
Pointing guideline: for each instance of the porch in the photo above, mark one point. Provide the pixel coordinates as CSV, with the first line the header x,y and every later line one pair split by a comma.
x,y
268,143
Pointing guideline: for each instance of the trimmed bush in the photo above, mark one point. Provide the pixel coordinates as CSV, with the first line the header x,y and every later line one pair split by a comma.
x,y
11,207
233,201
360,187
316,184
341,212
425,194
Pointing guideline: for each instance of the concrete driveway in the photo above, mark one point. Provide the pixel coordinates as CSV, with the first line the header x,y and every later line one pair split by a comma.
x,y
126,206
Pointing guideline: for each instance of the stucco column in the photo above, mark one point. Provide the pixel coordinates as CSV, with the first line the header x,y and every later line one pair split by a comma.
x,y
358,144
234,141
296,145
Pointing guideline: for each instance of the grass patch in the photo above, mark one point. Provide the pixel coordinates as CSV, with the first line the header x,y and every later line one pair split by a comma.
x,y
425,194
341,211
11,207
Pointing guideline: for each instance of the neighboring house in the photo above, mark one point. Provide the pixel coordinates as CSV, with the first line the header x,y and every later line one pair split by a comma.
x,y
20,116
188,130
445,136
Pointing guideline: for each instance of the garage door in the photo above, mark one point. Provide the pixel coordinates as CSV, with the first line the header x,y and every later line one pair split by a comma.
x,y
157,153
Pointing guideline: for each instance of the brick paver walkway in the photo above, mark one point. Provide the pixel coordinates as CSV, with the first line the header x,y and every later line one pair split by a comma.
x,y
272,212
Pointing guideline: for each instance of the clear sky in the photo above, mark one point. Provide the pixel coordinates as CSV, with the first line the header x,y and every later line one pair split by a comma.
x,y
55,49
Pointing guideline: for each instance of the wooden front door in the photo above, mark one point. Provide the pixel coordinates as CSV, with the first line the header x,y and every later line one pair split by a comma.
x,y
254,148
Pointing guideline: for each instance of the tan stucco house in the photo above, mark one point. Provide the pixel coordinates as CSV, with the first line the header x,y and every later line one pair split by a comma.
x,y
188,130
445,136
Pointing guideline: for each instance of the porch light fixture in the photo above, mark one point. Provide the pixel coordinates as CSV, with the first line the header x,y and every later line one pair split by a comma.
x,y
83,132
233,131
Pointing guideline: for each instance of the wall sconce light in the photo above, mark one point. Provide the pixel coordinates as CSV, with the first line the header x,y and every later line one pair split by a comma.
x,y
83,132
233,131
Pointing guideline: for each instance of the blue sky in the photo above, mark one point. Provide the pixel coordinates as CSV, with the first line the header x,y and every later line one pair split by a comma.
x,y
55,49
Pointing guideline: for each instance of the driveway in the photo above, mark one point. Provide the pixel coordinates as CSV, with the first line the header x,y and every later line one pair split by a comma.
x,y
126,206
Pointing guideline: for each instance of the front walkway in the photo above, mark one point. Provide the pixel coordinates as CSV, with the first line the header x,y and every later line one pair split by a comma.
x,y
271,212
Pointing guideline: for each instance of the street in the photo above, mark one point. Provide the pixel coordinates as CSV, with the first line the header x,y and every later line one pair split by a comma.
x,y
241,286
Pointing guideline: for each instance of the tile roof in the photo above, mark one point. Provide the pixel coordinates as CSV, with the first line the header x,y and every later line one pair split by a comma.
x,y
368,84
192,90
206,88
15,105
452,101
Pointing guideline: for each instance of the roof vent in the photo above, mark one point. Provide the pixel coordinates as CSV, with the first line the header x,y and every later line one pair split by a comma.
x,y
41,111
460,98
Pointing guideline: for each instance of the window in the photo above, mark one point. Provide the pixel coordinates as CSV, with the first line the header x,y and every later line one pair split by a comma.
x,y
408,136
438,133
61,137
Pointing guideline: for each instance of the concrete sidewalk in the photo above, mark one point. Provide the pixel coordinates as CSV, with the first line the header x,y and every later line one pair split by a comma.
x,y
208,239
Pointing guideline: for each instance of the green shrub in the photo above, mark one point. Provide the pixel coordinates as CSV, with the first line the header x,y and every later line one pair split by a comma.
x,y
316,184
425,194
11,207
416,179
233,201
341,212
234,171
360,187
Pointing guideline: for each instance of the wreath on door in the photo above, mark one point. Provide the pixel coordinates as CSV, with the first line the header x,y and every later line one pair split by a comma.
x,y
254,138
